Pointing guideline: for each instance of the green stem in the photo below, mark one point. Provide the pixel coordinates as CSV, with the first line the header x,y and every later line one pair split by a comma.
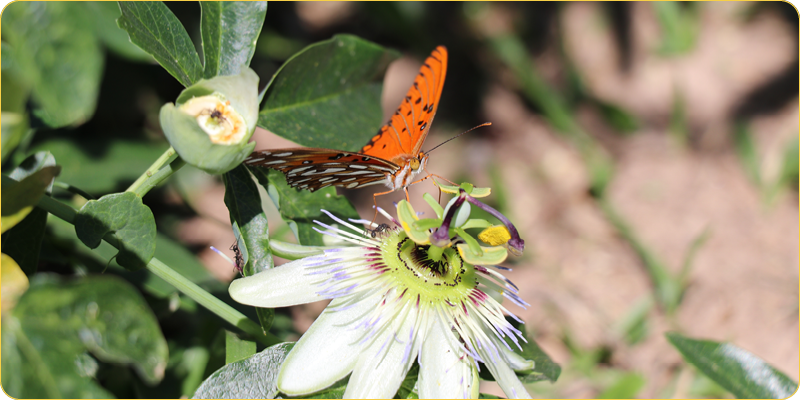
x,y
175,279
210,302
165,158
72,189
159,177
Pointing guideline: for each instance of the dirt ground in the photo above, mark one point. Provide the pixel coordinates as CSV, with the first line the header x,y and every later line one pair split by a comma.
x,y
579,275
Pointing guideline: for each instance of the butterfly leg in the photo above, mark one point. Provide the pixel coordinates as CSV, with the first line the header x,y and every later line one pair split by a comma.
x,y
375,203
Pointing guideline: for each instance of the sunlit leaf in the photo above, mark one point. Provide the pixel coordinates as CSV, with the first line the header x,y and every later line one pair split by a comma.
x,y
329,94
230,30
104,15
56,321
19,197
128,222
299,208
251,378
56,51
154,28
236,348
251,228
23,241
13,280
737,370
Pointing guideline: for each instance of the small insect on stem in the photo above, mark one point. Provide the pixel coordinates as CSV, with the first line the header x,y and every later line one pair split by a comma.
x,y
238,259
379,229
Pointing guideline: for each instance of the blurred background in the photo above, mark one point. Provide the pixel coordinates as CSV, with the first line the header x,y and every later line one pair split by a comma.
x,y
646,152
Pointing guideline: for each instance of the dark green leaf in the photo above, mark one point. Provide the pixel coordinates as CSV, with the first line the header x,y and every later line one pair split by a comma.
x,y
101,166
299,208
18,195
230,30
154,28
129,222
105,14
251,228
335,391
251,378
55,50
23,241
168,251
236,348
56,321
625,387
193,361
248,219
329,94
406,389
544,368
14,127
739,371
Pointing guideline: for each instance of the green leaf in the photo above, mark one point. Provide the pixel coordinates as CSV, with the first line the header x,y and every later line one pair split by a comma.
x,y
129,222
154,28
544,368
299,208
230,30
101,166
739,371
406,389
23,241
55,50
625,387
14,126
237,349
251,378
19,197
251,228
105,14
329,94
14,282
190,365
56,321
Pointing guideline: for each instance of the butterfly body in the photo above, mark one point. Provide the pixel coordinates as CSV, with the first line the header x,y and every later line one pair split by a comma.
x,y
393,156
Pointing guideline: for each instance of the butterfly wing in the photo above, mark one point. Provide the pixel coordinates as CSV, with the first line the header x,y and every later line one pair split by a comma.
x,y
312,168
408,127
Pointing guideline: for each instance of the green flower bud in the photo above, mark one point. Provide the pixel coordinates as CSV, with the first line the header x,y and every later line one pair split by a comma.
x,y
211,121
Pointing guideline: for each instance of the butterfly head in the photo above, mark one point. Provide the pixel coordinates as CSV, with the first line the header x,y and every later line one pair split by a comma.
x,y
419,162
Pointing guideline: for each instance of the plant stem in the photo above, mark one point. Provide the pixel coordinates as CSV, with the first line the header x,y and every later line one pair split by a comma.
x,y
159,177
210,302
177,280
165,158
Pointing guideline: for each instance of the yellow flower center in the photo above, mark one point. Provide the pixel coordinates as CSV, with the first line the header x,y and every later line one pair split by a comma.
x,y
217,118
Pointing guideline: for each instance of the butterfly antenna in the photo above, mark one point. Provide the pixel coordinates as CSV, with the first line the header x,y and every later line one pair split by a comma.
x,y
456,136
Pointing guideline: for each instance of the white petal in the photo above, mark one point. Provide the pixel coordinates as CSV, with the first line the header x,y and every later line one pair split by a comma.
x,y
282,286
443,373
382,367
328,351
503,374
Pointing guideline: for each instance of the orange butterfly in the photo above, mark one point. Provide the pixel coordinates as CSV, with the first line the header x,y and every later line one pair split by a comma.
x,y
392,157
